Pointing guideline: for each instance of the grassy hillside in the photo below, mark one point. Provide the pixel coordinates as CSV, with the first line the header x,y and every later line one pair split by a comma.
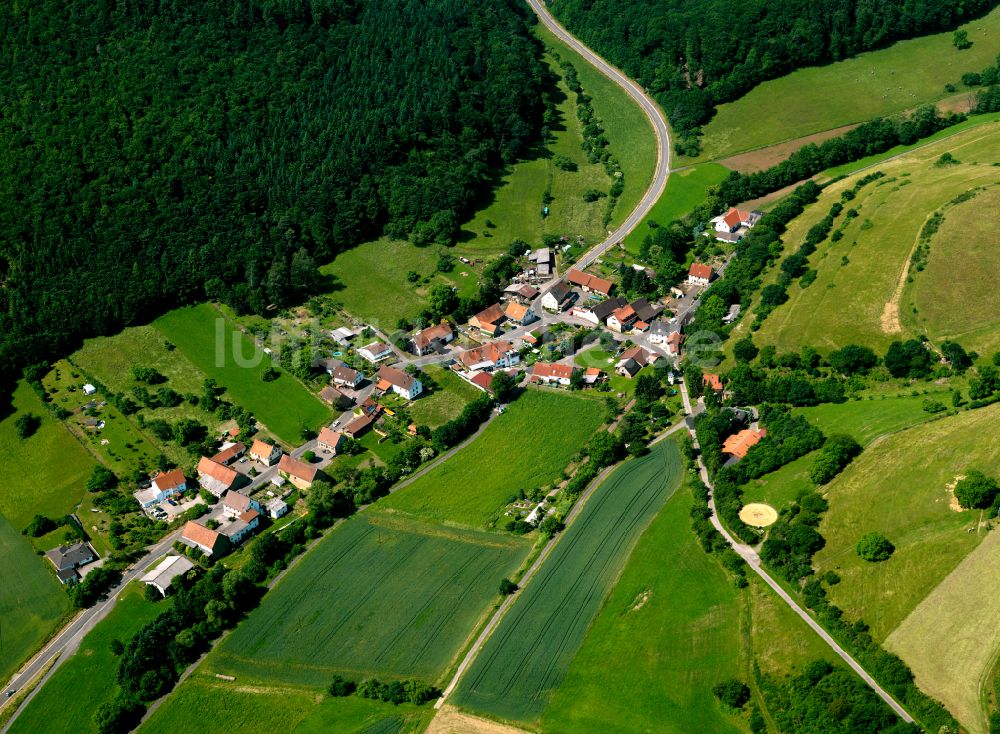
x,y
899,486
525,448
858,291
526,658
953,298
883,82
379,597
285,406
67,702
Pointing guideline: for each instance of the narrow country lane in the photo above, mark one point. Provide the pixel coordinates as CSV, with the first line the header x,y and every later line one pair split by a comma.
x,y
648,106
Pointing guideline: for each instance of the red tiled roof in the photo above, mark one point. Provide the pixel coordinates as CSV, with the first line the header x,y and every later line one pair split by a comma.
x,y
732,218
586,280
217,471
170,479
261,448
392,376
557,371
201,535
491,315
230,453
515,311
236,501
438,331
739,443
624,314
296,468
489,352
483,380
359,424
699,270
712,380
249,516
330,437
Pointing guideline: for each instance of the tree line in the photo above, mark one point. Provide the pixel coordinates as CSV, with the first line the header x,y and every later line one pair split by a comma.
x,y
695,55
156,154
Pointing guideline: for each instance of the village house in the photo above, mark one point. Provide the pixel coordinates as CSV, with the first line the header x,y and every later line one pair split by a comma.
x,y
67,558
735,221
737,445
673,344
235,504
700,274
622,319
298,472
542,258
265,453
330,440
162,576
276,507
658,332
712,381
405,385
164,485
522,292
634,359
645,310
229,452
593,375
590,283
519,313
482,380
343,376
374,352
241,527
208,541
343,335
432,338
488,320
543,373
359,426
598,313
217,478
333,396
558,297
490,356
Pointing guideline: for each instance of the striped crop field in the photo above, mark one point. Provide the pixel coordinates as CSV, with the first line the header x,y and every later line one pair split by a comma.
x,y
525,660
380,596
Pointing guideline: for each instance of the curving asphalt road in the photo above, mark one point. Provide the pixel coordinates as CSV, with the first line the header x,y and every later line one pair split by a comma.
x,y
648,106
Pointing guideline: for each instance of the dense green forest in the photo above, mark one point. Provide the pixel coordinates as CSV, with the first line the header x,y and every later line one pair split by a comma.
x,y
154,153
695,54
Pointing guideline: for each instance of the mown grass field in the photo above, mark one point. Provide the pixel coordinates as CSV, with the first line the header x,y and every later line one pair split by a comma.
x,y
67,702
285,406
685,190
668,632
31,599
381,596
528,655
44,474
858,291
526,447
952,298
951,638
446,402
899,487
883,82
204,703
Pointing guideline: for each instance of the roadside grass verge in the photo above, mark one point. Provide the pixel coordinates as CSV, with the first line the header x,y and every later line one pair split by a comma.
x,y
685,190
203,702
667,633
380,596
899,487
950,640
526,659
951,298
66,704
814,99
856,297
525,448
285,406
32,601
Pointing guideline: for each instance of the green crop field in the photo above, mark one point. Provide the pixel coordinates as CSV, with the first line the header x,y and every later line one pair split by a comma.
x,y
524,448
952,298
44,474
899,487
380,596
685,190
856,297
285,406
31,600
668,632
951,639
68,700
526,658
445,403
202,703
883,82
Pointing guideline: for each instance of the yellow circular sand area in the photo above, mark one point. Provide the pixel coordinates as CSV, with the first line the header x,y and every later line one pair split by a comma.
x,y
758,514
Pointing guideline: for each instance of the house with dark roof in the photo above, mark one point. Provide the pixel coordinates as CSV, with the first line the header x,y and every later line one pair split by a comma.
x,y
334,397
558,297
359,426
522,292
375,352
488,320
67,558
405,385
634,359
645,310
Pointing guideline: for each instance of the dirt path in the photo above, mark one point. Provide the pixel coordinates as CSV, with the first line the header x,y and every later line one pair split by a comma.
x,y
450,721
890,314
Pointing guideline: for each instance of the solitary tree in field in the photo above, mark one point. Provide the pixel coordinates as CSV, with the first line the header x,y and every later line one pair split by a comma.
x,y
976,491
732,693
507,587
875,547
